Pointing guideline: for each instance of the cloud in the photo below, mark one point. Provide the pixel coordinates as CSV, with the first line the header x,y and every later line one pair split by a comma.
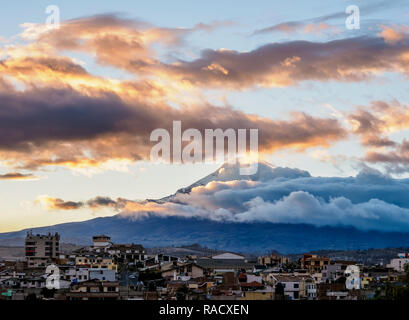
x,y
351,59
395,160
369,201
374,124
102,202
394,34
130,45
314,23
17,176
127,44
58,204
56,113
299,26
62,127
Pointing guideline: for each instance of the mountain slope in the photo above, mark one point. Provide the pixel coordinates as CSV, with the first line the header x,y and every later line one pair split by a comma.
x,y
245,237
153,230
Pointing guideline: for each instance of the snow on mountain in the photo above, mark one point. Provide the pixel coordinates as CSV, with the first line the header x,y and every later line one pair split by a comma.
x,y
231,172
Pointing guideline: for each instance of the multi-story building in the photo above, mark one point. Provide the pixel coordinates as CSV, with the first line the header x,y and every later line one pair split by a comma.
x,y
336,269
314,263
398,264
41,250
101,241
296,287
127,253
94,290
102,274
273,260
93,260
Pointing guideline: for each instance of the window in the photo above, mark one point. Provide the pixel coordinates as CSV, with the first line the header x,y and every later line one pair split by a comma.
x,y
296,285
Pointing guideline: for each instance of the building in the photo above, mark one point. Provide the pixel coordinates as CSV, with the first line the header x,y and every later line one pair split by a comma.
x,y
94,290
221,265
102,274
75,274
398,264
273,260
314,263
331,291
101,241
127,253
228,256
41,250
95,260
183,272
296,287
336,269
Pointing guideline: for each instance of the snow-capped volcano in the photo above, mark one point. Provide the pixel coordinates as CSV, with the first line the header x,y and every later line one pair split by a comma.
x,y
231,172
275,208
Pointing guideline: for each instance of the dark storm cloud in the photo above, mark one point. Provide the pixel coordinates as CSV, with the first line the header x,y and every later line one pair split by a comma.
x,y
64,123
17,176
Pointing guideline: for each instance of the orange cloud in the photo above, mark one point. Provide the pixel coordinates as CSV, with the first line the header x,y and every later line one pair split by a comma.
x,y
394,34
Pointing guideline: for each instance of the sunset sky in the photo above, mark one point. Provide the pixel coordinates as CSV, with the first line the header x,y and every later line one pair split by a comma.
x,y
78,103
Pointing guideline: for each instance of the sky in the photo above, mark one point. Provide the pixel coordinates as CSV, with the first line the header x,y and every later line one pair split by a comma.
x,y
78,102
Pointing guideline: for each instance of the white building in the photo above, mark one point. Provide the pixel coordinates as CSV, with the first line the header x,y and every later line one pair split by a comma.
x,y
101,274
229,256
77,274
398,264
101,241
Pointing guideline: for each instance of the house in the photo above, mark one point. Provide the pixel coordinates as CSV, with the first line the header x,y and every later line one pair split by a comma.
x,y
225,265
251,286
32,282
127,253
76,274
94,290
272,260
265,293
101,241
314,263
334,270
95,260
295,287
228,256
101,274
331,291
6,274
398,264
164,258
184,272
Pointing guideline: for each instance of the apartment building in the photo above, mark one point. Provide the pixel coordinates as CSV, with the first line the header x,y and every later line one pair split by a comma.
x,y
314,263
41,250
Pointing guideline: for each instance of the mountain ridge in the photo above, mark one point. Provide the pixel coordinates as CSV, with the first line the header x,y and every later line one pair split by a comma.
x,y
156,231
